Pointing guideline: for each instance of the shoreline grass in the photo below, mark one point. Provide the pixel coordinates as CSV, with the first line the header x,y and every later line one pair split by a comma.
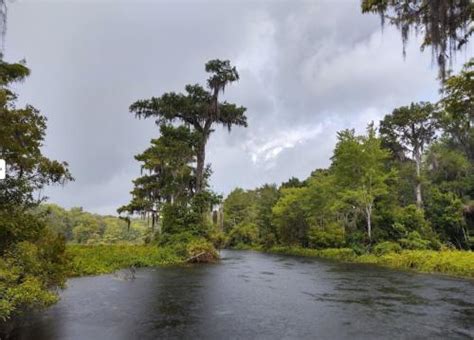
x,y
448,262
104,259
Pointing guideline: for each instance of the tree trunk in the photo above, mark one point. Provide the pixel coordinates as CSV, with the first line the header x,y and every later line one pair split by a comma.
x,y
200,158
368,211
419,200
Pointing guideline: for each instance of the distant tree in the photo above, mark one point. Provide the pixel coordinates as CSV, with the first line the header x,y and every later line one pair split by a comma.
x,y
413,129
320,198
289,217
198,108
266,197
358,165
239,208
446,24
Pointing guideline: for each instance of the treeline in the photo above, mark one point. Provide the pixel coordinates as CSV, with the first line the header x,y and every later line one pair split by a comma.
x,y
408,185
79,226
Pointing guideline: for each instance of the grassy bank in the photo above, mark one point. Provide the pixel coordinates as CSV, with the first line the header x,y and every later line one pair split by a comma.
x,y
449,262
102,259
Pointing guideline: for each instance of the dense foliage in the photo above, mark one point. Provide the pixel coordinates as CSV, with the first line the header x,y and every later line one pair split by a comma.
x,y
32,257
411,186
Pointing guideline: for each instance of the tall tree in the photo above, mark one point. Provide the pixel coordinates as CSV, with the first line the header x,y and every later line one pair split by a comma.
x,y
199,108
446,24
413,128
358,165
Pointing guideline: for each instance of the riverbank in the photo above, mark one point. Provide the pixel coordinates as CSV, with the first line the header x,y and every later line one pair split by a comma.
x,y
449,262
103,259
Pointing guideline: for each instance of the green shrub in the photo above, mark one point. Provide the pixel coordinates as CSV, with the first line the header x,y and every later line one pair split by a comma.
x,y
386,247
27,271
201,246
414,241
412,219
218,238
329,236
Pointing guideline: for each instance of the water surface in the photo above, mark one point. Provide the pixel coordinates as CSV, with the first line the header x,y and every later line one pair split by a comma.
x,y
252,295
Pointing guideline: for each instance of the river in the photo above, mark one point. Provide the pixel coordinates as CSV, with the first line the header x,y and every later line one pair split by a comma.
x,y
252,295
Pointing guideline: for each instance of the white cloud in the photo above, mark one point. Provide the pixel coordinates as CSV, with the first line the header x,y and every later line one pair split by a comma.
x,y
265,149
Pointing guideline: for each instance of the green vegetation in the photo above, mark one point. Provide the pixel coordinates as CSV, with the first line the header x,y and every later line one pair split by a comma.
x,y
394,196
32,257
450,262
102,259
78,226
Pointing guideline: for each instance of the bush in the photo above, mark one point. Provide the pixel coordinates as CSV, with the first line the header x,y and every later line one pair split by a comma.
x,y
411,219
386,247
176,242
330,236
201,250
217,238
357,241
414,241
268,240
27,271
187,245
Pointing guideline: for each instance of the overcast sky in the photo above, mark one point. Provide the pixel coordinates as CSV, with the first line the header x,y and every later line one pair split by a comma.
x,y
307,69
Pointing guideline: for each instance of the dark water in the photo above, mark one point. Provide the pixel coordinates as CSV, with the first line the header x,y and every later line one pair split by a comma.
x,y
251,295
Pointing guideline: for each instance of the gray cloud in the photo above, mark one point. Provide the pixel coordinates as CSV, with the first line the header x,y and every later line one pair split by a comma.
x,y
308,69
